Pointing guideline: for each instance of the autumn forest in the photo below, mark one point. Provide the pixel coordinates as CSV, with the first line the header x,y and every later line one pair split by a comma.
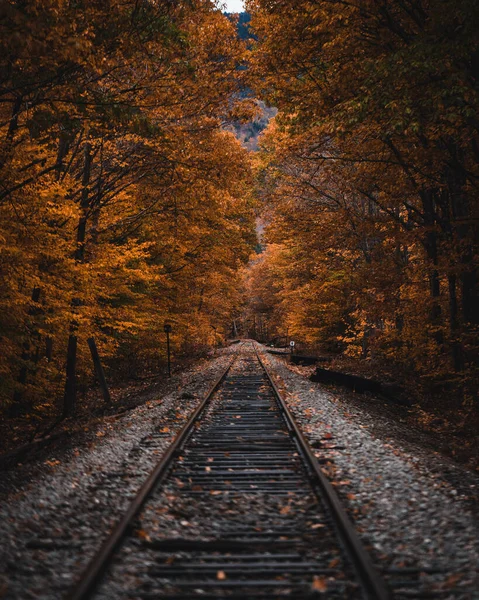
x,y
129,200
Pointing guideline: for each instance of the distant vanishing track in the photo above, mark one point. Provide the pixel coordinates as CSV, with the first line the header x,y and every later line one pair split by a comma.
x,y
261,519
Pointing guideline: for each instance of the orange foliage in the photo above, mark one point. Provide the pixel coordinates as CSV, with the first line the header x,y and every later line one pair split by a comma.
x,y
369,172
123,202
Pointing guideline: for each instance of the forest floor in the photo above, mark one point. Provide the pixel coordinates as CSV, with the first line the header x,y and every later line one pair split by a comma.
x,y
24,436
436,415
411,505
446,423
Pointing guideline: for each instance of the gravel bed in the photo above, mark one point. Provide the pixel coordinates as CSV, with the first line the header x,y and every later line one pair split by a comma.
x,y
54,515
150,564
411,507
135,572
401,497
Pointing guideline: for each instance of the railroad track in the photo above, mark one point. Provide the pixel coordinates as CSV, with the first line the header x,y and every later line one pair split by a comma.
x,y
237,508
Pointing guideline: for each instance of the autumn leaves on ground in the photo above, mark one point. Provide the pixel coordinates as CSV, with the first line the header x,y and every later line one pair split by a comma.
x,y
126,200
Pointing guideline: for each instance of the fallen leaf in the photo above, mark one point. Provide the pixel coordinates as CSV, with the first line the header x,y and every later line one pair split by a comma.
x,y
319,584
334,563
451,581
143,535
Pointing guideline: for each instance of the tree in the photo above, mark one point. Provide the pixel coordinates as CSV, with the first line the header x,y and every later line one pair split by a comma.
x,y
373,164
122,199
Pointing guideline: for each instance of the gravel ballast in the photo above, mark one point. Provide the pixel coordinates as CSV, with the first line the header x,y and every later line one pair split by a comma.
x,y
412,508
54,515
210,531
400,498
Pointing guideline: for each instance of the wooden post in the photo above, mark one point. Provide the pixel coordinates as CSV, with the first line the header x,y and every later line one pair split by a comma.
x,y
69,398
100,373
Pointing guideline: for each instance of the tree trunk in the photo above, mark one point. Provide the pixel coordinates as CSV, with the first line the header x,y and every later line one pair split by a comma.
x,y
457,353
99,370
466,232
430,244
470,295
49,348
26,356
63,147
84,205
69,398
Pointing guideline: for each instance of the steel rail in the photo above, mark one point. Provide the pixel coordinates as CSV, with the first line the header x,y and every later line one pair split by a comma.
x,y
97,566
370,578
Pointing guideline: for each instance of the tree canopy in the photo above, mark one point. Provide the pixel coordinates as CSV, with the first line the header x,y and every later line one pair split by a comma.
x,y
126,201
370,173
123,202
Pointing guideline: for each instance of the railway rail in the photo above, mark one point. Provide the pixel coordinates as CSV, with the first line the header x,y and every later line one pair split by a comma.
x,y
238,507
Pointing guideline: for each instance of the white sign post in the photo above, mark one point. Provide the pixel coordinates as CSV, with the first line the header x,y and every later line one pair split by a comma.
x,y
291,345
